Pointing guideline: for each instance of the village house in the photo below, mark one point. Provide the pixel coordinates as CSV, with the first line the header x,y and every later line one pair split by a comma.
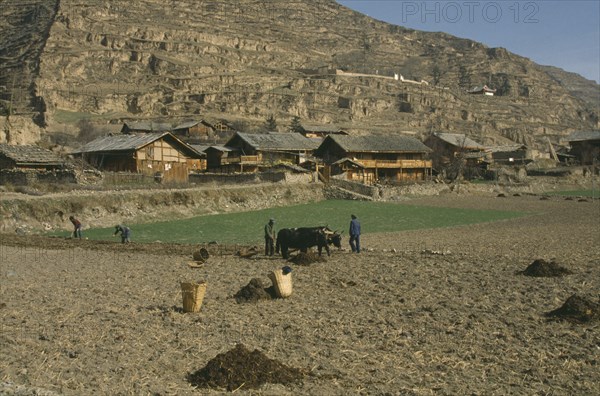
x,y
585,146
375,158
247,152
27,164
321,131
515,154
194,130
153,154
28,157
145,127
482,90
449,147
218,160
222,126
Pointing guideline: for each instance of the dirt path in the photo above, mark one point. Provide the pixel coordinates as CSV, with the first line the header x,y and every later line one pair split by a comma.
x,y
418,313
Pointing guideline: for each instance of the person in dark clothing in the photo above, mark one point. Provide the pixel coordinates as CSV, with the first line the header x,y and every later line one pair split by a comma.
x,y
270,238
77,227
125,233
354,234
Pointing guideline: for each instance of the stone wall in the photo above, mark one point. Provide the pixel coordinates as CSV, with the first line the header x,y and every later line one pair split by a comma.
x,y
19,177
358,188
237,178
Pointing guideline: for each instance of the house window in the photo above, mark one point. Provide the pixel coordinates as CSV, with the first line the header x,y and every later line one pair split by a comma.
x,y
150,153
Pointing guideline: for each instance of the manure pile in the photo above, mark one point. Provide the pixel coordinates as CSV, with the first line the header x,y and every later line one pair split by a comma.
x,y
242,368
545,269
577,309
254,291
307,258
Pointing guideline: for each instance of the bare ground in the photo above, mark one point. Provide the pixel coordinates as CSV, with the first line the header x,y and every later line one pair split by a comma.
x,y
416,313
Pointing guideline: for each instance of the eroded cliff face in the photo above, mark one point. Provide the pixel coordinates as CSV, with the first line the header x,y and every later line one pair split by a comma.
x,y
24,29
247,59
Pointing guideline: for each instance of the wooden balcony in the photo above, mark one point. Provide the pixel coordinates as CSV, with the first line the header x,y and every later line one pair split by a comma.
x,y
242,160
404,164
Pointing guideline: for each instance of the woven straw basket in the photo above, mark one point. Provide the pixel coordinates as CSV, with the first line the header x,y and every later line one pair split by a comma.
x,y
200,255
193,295
282,283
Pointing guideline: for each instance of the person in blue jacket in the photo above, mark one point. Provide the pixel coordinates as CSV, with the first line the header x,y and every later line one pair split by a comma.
x,y
125,233
354,234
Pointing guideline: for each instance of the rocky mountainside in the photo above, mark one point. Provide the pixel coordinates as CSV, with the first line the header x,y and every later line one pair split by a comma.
x,y
243,61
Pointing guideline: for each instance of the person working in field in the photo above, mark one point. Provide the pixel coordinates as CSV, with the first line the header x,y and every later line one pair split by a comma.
x,y
354,234
77,227
270,238
125,233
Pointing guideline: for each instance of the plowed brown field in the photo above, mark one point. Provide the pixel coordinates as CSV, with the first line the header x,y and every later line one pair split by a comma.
x,y
423,312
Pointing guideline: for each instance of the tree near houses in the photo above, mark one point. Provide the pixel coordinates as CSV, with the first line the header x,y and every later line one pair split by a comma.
x,y
456,168
437,74
464,77
271,123
501,83
295,125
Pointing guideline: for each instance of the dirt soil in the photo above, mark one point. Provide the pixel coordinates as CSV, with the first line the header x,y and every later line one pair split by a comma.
x,y
83,317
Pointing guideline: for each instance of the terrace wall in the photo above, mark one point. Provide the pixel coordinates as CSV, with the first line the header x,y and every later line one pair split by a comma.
x,y
20,177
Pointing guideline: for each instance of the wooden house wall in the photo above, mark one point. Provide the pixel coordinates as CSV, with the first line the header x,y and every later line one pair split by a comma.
x,y
370,176
332,153
157,157
7,163
518,156
222,127
112,162
443,152
160,156
277,156
586,151
161,151
200,131
385,156
196,164
213,159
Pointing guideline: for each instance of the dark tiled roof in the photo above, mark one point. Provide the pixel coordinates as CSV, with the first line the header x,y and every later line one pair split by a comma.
x,y
30,155
277,141
223,149
121,142
348,160
506,148
321,128
149,126
190,124
583,135
200,147
379,143
132,141
459,140
481,88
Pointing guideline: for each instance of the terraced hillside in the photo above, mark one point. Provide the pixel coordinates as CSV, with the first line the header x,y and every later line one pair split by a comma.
x,y
243,61
24,28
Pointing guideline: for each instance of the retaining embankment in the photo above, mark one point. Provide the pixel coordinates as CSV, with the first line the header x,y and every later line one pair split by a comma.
x,y
106,208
